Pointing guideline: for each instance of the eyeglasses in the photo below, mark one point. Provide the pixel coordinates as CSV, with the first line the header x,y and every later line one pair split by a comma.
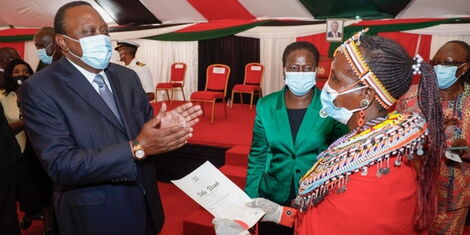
x,y
446,63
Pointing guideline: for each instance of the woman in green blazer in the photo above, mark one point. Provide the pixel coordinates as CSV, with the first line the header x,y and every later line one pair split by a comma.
x,y
288,132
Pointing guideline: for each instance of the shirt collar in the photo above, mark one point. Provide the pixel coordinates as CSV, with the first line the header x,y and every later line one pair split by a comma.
x,y
88,75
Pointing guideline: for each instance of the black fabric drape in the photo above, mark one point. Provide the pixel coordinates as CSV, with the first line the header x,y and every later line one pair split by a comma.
x,y
233,51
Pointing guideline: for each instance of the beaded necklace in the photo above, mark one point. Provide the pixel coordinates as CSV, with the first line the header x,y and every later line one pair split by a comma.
x,y
373,144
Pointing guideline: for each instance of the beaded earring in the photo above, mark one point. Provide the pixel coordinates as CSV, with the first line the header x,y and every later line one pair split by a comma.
x,y
360,121
364,104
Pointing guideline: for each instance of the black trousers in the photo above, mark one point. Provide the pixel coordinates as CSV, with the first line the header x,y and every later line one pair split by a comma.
x,y
8,216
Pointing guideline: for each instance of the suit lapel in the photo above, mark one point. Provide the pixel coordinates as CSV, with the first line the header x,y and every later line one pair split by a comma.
x,y
309,120
78,83
120,99
282,122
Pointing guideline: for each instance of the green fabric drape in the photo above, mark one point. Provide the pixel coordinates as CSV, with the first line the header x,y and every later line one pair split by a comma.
x,y
19,38
374,29
203,35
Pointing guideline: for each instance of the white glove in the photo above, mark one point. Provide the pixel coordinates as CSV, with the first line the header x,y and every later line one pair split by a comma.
x,y
228,227
273,211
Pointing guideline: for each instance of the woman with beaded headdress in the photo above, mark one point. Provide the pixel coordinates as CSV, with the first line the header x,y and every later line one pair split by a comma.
x,y
452,66
379,178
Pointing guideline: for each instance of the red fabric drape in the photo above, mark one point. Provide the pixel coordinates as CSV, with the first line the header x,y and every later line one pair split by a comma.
x,y
221,9
214,25
16,32
410,41
319,40
19,46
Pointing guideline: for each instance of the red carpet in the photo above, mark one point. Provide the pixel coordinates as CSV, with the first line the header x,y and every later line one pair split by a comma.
x,y
224,132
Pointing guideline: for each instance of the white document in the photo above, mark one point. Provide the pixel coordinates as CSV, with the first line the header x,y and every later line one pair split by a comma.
x,y
219,195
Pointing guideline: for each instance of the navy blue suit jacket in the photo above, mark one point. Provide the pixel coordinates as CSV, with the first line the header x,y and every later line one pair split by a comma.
x,y
86,151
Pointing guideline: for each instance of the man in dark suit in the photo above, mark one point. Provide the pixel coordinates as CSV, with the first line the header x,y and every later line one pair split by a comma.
x,y
9,154
92,128
334,30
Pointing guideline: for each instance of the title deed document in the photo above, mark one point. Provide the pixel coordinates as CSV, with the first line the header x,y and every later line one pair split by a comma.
x,y
217,194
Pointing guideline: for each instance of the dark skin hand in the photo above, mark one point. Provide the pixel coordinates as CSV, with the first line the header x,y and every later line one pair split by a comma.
x,y
343,78
299,61
169,130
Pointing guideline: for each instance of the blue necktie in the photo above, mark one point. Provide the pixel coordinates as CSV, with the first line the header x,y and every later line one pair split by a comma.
x,y
106,95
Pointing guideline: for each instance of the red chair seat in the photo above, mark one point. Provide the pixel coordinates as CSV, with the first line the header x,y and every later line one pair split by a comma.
x,y
207,95
169,85
246,88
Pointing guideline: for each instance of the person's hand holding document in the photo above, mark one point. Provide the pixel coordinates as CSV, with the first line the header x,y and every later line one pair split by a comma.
x,y
219,195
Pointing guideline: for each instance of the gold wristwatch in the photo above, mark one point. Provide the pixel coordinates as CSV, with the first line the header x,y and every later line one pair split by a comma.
x,y
137,151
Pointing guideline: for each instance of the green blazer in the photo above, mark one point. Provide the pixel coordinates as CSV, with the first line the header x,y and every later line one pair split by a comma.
x,y
275,162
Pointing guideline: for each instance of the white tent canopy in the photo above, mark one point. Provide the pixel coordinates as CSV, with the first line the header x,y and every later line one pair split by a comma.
x,y
39,13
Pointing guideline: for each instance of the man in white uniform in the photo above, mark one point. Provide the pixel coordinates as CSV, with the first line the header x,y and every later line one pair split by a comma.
x,y
127,50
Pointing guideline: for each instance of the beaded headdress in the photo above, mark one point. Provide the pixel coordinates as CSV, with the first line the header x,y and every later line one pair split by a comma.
x,y
350,49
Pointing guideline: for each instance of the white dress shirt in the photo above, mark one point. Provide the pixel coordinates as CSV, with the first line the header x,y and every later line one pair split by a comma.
x,y
91,76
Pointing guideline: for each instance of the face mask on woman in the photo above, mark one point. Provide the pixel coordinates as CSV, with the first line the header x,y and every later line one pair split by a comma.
x,y
96,50
20,79
328,96
446,75
300,83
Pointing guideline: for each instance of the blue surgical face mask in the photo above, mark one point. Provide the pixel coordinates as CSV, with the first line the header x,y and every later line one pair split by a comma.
x,y
96,50
445,75
328,96
43,56
300,83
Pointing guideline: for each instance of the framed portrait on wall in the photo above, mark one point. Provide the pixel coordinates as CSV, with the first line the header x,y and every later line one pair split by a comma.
x,y
334,30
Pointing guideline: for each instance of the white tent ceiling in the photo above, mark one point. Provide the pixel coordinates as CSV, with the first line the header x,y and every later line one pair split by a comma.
x,y
38,13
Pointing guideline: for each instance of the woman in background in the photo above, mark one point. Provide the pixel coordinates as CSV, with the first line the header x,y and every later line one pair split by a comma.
x,y
34,187
288,134
452,66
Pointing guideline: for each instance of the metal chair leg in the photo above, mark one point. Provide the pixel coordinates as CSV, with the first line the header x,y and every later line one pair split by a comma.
x,y
225,107
213,108
182,92
167,95
231,100
251,100
156,95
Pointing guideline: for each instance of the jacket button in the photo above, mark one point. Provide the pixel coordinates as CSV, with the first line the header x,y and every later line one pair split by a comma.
x,y
297,171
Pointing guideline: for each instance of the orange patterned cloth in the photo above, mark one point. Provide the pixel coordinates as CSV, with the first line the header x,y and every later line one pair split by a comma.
x,y
454,178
